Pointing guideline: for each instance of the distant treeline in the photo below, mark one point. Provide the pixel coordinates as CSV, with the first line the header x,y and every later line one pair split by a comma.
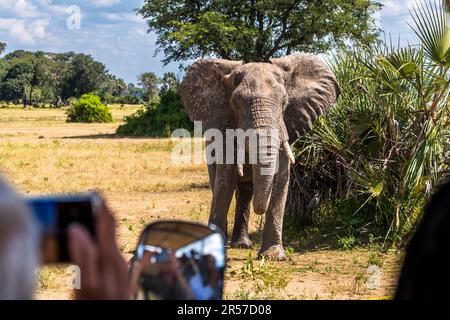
x,y
44,78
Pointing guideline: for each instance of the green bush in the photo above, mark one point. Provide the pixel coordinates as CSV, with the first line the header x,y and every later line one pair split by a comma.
x,y
159,119
89,109
127,99
370,165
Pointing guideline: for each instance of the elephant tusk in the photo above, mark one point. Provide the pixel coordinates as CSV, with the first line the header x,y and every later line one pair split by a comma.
x,y
288,151
240,168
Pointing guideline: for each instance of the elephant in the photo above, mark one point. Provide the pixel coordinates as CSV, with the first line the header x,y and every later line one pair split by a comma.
x,y
285,95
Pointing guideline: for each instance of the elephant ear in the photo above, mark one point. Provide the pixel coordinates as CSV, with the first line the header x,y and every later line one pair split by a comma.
x,y
312,90
206,96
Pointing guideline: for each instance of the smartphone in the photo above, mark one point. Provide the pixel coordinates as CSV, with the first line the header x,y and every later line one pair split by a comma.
x,y
54,215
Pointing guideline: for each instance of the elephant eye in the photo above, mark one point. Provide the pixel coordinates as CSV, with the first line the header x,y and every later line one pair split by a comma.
x,y
280,78
271,82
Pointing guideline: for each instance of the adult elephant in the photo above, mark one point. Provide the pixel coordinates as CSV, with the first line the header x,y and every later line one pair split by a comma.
x,y
287,96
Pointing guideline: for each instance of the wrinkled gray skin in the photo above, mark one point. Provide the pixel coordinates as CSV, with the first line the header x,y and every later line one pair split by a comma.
x,y
287,94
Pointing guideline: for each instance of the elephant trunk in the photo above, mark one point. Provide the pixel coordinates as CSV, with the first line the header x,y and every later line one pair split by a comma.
x,y
262,191
264,172
266,118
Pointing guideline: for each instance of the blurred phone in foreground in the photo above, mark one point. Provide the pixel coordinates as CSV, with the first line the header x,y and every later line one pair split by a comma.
x,y
54,215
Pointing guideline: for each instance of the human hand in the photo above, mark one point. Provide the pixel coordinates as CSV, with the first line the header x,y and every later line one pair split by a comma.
x,y
104,271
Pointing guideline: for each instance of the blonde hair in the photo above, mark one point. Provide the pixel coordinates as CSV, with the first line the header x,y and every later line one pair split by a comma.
x,y
18,246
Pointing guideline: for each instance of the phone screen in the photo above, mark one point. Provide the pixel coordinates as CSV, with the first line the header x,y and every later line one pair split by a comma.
x,y
54,215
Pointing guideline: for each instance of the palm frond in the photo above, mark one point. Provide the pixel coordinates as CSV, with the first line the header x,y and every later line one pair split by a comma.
x,y
385,146
433,29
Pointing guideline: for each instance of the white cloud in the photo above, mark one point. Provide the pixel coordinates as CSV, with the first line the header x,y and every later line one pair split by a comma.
x,y
39,28
124,17
48,6
396,20
104,3
27,21
137,32
398,7
414,3
20,8
392,7
25,32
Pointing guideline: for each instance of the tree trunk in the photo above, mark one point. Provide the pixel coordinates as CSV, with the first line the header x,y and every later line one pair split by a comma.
x,y
31,94
24,98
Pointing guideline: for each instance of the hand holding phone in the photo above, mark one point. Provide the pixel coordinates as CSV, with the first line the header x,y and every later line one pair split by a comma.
x,y
54,215
104,271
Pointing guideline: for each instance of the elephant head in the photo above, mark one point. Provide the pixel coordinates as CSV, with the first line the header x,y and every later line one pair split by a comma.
x,y
286,95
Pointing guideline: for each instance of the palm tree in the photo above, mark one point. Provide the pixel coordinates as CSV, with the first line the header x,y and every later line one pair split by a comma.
x,y
375,159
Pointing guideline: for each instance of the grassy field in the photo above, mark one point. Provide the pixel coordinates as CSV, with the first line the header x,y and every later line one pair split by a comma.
x,y
40,153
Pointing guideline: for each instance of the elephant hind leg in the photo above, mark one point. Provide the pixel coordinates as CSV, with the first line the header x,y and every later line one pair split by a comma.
x,y
240,238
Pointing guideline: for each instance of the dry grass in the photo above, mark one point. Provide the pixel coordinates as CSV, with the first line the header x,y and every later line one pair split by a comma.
x,y
42,154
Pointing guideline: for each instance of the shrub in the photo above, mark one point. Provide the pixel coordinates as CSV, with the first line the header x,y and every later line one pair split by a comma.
x,y
89,109
347,242
158,119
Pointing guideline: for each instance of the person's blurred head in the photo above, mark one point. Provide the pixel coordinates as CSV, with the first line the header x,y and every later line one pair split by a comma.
x,y
18,246
425,273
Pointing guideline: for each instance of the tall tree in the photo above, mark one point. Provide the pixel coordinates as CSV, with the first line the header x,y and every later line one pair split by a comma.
x,y
85,75
111,88
168,81
2,47
135,92
61,69
39,72
46,77
2,62
15,82
149,82
256,30
119,88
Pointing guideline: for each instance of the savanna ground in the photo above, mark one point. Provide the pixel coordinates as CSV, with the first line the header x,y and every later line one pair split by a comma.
x,y
40,153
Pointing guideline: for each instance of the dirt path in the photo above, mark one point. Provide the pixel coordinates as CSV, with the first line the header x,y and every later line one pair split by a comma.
x,y
40,153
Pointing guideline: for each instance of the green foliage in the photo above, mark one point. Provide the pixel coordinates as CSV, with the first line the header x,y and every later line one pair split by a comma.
x,y
114,90
89,109
347,242
44,77
149,82
375,259
265,280
289,251
159,119
374,160
83,75
2,47
435,35
16,80
256,30
169,81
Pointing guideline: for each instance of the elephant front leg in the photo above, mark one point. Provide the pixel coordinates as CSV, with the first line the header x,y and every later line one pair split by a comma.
x,y
224,186
240,239
272,247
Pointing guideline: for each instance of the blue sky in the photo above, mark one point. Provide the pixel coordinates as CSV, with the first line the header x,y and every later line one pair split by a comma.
x,y
112,33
